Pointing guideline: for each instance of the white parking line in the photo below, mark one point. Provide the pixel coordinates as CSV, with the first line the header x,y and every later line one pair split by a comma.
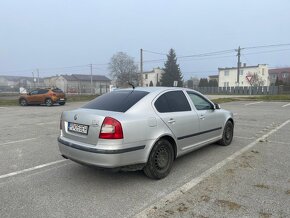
x,y
254,103
46,123
23,140
241,137
187,186
31,169
2,107
286,105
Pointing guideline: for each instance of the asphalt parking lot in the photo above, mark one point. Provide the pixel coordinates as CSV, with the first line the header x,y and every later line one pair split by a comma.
x,y
35,181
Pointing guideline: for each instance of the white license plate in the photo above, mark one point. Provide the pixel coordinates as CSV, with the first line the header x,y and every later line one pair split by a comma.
x,y
79,128
61,99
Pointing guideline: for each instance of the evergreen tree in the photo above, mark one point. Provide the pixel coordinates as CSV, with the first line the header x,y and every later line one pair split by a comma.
x,y
172,71
213,83
203,82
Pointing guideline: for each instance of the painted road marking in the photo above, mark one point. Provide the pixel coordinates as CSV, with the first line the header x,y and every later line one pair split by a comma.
x,y
30,169
23,140
286,105
187,186
3,107
253,103
45,123
241,137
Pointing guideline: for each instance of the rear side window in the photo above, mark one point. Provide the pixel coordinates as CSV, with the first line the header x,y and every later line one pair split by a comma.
x,y
42,91
174,101
57,90
119,101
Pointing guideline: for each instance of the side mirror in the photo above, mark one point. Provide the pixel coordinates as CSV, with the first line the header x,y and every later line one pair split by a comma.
x,y
217,106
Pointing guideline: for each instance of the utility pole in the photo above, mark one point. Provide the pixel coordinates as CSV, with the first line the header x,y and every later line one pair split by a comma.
x,y
91,66
141,65
33,79
37,70
238,65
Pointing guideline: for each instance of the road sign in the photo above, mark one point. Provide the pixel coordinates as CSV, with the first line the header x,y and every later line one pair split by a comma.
x,y
249,78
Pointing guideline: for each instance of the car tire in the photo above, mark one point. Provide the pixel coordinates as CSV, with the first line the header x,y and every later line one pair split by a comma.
x,y
160,160
48,102
62,103
23,102
227,134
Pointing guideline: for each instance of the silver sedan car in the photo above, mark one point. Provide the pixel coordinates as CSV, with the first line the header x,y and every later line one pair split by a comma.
x,y
143,129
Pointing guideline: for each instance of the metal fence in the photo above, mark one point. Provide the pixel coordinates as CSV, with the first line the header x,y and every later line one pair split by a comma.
x,y
257,90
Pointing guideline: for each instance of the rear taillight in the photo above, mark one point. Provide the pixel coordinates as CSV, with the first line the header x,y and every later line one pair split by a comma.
x,y
111,129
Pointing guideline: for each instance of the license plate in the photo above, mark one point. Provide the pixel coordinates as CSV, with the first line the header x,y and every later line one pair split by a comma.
x,y
79,128
61,99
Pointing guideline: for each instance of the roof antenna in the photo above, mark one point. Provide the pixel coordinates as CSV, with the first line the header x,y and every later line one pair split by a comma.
x,y
131,85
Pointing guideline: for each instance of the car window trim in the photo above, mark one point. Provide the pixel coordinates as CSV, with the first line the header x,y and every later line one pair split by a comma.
x,y
211,103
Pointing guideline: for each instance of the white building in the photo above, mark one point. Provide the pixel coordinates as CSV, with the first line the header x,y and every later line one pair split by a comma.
x,y
152,77
249,75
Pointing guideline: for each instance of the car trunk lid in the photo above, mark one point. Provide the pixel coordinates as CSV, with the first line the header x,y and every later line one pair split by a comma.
x,y
84,125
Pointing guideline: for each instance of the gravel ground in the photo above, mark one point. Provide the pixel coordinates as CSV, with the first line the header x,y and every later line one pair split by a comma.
x,y
256,184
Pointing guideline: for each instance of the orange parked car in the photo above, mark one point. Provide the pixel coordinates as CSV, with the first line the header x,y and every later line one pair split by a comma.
x,y
47,96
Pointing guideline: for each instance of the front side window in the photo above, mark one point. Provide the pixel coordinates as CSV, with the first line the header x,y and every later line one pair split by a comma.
x,y
173,101
199,102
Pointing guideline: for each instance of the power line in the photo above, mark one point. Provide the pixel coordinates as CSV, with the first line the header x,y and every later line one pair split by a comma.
x,y
153,52
202,56
272,51
267,46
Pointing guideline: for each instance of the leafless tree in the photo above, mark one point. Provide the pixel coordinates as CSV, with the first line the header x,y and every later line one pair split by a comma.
x,y
123,70
257,80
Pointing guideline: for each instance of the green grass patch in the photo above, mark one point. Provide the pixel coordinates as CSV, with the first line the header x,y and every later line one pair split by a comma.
x,y
72,98
75,98
8,102
224,100
268,98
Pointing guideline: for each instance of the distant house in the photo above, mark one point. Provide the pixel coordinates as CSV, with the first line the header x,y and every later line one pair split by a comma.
x,y
228,76
152,78
13,83
80,83
213,77
283,74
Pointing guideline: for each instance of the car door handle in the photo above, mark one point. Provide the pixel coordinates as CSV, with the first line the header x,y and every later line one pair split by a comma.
x,y
171,121
202,117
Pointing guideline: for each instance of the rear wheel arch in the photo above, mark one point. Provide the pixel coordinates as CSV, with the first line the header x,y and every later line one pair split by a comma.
x,y
171,140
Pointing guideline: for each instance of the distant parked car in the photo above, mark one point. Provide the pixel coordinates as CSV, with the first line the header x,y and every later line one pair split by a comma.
x,y
48,96
143,128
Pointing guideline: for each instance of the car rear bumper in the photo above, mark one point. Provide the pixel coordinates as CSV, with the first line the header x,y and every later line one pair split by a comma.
x,y
60,100
111,158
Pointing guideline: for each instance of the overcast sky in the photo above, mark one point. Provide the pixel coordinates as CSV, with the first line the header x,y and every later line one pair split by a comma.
x,y
53,34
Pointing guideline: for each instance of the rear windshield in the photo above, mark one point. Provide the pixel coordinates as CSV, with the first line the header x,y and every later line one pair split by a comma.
x,y
119,101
